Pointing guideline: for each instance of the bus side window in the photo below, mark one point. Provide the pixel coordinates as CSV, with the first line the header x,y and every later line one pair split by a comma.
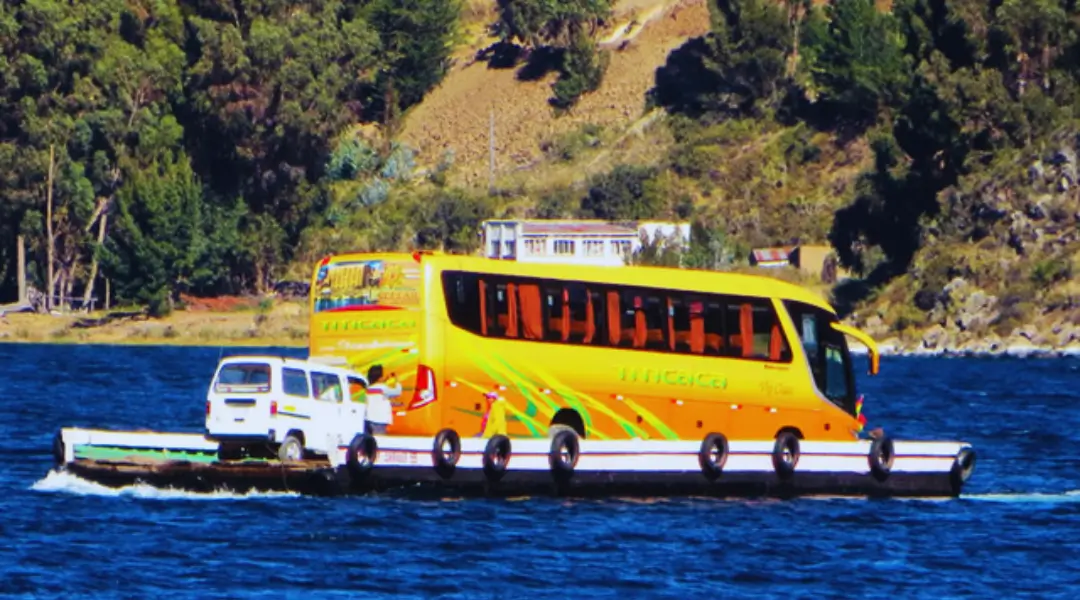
x,y
581,313
531,306
463,301
656,322
714,328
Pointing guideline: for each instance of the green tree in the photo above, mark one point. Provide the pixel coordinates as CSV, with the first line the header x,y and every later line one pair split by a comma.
x,y
621,195
538,23
739,68
856,61
416,40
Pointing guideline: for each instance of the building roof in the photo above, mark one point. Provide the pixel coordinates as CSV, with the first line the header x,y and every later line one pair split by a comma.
x,y
576,228
773,254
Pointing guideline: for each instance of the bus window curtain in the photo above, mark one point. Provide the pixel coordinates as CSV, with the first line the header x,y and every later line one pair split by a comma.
x,y
641,332
776,342
565,324
746,329
590,318
531,311
670,324
511,311
614,319
697,328
483,309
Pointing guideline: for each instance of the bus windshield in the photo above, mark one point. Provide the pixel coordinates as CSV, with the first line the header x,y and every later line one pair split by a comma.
x,y
352,284
827,352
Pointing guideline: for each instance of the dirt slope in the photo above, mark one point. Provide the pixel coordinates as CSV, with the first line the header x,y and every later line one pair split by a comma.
x,y
456,114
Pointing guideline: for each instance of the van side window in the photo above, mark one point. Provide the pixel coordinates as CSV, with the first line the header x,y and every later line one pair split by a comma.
x,y
326,387
295,382
357,389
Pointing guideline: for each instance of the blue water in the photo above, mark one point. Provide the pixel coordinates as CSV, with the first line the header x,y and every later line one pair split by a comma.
x,y
1014,533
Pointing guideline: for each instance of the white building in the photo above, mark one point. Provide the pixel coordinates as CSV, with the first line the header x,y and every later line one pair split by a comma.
x,y
581,242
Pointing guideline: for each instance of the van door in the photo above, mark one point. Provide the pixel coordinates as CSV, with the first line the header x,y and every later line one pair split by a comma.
x,y
354,409
328,392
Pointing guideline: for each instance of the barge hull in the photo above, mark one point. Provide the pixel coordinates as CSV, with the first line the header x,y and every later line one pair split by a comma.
x,y
405,466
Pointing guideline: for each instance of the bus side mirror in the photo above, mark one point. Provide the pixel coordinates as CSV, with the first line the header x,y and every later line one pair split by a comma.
x,y
871,345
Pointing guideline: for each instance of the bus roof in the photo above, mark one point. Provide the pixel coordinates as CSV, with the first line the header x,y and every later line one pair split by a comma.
x,y
691,280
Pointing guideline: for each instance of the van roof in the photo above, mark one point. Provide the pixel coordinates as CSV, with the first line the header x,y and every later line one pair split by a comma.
x,y
692,280
287,360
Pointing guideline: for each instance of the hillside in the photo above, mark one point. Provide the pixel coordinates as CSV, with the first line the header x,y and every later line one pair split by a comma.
x,y
456,115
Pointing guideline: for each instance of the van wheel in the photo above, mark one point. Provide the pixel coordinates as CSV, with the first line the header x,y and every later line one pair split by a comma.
x,y
291,450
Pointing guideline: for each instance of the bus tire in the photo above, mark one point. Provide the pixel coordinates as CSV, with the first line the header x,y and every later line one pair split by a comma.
x,y
882,453
496,457
564,454
446,452
713,455
785,454
362,453
962,469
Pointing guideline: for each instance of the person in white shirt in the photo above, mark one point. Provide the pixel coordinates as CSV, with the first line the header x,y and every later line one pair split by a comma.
x,y
380,411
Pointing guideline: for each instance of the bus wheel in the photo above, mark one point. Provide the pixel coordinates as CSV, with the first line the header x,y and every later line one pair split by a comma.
x,y
564,454
785,454
446,452
713,455
291,449
881,457
496,457
362,452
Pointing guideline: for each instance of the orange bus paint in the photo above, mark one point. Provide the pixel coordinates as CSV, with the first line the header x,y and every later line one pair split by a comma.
x,y
624,353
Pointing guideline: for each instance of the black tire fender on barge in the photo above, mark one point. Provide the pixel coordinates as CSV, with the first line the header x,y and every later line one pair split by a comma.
x,y
564,453
880,458
362,453
445,452
496,457
713,455
961,470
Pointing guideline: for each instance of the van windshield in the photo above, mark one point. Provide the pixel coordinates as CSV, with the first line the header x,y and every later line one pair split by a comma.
x,y
244,378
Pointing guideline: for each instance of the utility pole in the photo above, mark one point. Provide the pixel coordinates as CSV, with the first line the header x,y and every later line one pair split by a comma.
x,y
49,230
491,151
20,255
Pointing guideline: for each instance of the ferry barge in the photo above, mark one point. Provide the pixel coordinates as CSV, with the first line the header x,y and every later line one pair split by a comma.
x,y
450,466
541,378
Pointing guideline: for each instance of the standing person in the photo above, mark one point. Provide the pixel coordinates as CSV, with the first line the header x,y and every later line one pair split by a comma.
x,y
380,412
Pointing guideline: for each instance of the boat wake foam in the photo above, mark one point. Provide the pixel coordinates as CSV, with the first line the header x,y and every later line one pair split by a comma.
x,y
1035,497
63,482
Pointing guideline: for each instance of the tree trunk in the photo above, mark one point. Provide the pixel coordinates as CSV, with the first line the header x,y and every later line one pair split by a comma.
x,y
49,231
102,224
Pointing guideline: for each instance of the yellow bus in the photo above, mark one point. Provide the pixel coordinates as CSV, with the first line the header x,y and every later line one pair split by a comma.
x,y
627,353
364,311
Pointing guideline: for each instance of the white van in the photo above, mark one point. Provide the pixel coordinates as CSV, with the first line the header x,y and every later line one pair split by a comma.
x,y
267,406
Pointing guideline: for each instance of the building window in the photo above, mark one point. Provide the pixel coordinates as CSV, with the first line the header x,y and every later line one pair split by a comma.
x,y
536,246
508,248
564,247
594,248
622,247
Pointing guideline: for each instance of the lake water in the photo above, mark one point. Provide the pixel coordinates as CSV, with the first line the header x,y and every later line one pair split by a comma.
x,y
1014,533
